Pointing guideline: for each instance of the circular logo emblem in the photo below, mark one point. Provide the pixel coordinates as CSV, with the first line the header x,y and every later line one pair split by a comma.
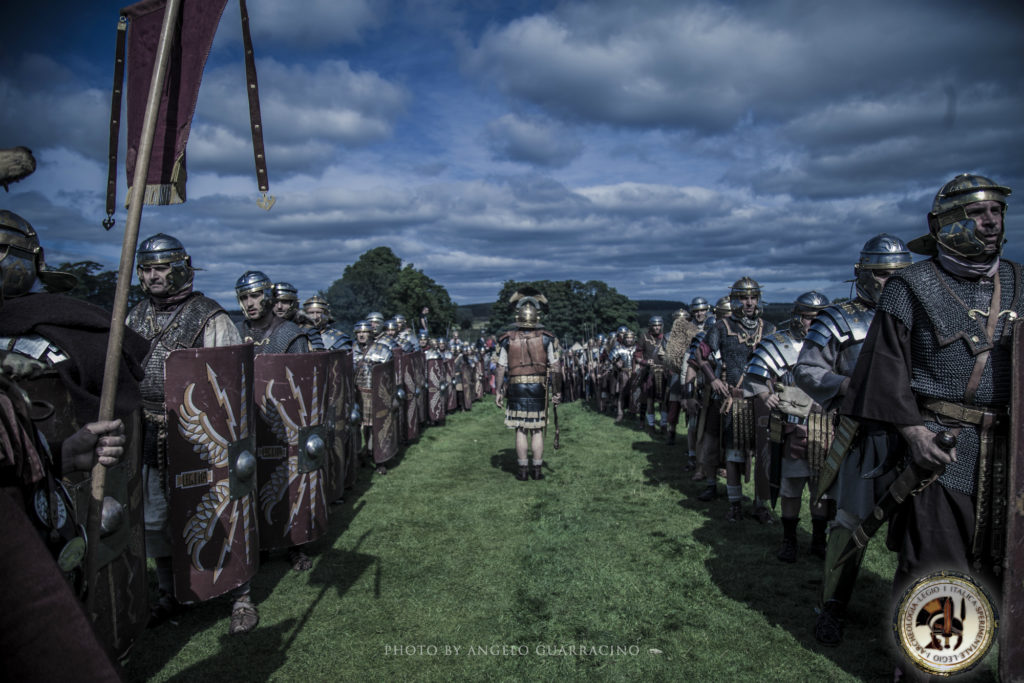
x,y
945,623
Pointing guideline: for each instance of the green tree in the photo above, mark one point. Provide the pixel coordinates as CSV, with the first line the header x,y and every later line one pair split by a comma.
x,y
378,282
575,309
96,285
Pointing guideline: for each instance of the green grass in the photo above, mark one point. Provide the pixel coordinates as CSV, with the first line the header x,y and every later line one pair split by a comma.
x,y
611,551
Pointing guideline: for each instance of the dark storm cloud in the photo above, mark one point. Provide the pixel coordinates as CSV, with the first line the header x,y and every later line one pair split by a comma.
x,y
543,144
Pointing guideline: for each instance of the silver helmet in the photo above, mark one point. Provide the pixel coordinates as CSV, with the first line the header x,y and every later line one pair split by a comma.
x,y
745,286
882,252
254,281
285,291
375,318
362,326
699,303
401,320
22,261
808,303
164,250
949,226
723,307
655,320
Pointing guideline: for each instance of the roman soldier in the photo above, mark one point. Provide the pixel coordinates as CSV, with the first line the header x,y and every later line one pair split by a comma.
x,y
374,376
286,300
690,381
826,361
651,375
267,332
942,336
529,355
734,338
794,417
173,316
318,312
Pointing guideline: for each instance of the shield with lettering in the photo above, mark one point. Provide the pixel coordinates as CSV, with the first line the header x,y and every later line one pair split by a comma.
x,y
211,470
294,427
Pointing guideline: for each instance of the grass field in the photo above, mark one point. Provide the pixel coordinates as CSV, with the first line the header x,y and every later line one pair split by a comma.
x,y
609,569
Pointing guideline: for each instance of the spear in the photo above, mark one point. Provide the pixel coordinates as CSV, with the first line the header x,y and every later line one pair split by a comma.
x,y
124,279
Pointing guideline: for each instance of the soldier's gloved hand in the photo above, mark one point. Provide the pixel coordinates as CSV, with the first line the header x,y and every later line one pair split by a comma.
x,y
772,400
17,366
100,440
923,448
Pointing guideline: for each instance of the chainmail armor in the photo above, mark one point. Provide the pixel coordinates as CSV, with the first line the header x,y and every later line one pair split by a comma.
x,y
735,340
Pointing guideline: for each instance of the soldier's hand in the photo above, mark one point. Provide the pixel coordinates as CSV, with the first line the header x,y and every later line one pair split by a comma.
x,y
720,387
923,448
556,399
772,401
103,441
498,400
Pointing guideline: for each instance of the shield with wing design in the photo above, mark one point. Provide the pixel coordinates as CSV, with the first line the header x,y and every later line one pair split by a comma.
x,y
405,377
437,387
384,403
211,470
295,397
340,473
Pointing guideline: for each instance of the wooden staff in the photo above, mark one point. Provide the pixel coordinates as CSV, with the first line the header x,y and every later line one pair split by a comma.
x,y
124,280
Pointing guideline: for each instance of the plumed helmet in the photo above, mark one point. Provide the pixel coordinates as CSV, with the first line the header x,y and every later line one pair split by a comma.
x,y
362,326
745,286
810,303
165,250
723,307
21,262
655,320
948,222
881,252
699,303
285,291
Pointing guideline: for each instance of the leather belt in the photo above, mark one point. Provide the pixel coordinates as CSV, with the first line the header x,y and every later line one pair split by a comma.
x,y
961,412
527,379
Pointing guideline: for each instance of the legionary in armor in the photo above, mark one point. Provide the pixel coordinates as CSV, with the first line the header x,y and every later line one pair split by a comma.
x,y
530,356
53,348
405,336
690,382
366,353
823,371
286,300
796,427
729,429
938,358
269,333
622,360
651,374
322,335
173,316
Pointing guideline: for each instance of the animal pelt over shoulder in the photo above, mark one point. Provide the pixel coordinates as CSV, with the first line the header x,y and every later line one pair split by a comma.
x,y
683,332
15,163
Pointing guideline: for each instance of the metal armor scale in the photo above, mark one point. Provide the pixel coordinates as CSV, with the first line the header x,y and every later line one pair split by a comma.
x,y
847,324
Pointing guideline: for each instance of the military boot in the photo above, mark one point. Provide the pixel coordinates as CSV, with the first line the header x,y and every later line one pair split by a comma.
x,y
524,473
735,513
787,551
535,471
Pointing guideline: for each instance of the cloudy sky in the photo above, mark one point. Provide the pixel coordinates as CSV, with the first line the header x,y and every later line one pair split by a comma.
x,y
667,148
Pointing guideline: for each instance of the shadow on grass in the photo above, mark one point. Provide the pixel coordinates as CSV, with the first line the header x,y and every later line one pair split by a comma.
x,y
743,565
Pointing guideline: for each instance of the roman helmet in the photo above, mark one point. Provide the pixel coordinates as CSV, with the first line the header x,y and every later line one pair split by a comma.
x,y
723,307
881,252
362,326
655,320
255,281
164,250
948,223
808,303
285,291
21,260
698,304
680,313
376,319
401,320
